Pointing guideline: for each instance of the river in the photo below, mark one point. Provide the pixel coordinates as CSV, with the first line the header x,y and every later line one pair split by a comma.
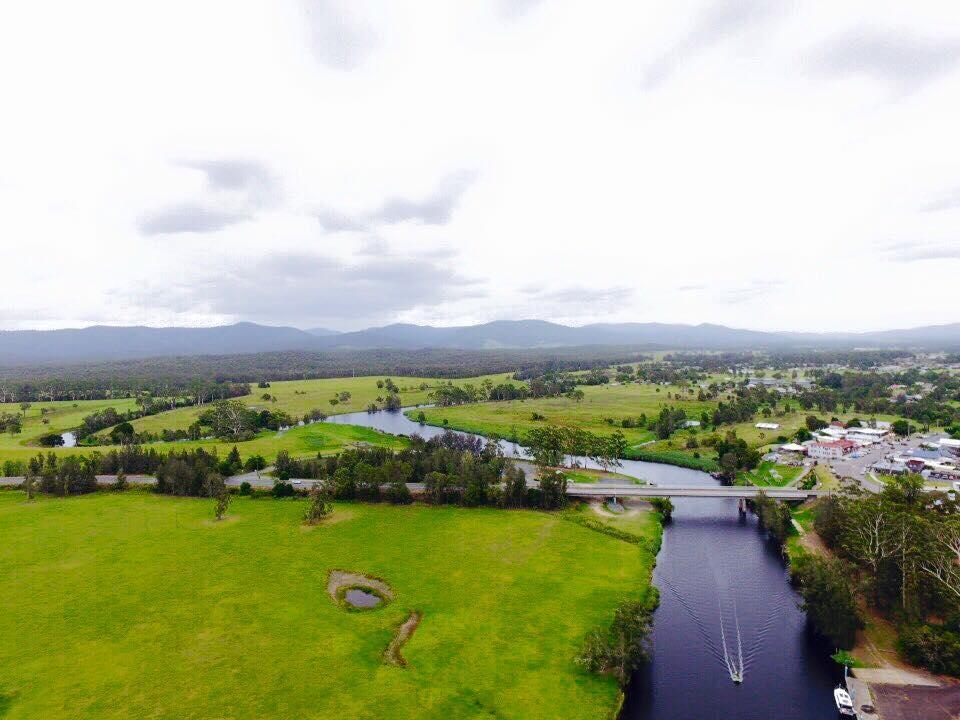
x,y
715,567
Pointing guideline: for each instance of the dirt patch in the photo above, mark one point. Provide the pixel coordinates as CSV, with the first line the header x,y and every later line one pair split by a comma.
x,y
339,582
910,702
213,522
628,510
392,654
338,516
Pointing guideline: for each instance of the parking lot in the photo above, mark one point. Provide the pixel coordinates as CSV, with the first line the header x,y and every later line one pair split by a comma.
x,y
857,464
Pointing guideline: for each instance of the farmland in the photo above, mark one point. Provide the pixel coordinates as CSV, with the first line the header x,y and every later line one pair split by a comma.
x,y
143,606
600,402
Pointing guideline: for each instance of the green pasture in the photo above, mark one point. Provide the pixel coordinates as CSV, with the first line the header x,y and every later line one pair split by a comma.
x,y
599,403
139,605
61,416
298,397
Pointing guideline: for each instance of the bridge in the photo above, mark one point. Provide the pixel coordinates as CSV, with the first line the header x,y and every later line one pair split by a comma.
x,y
603,490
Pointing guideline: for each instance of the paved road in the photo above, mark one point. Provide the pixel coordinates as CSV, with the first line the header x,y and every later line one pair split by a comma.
x,y
573,489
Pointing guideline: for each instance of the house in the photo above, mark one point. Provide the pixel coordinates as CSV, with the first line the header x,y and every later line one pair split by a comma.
x,y
691,423
830,450
767,426
793,448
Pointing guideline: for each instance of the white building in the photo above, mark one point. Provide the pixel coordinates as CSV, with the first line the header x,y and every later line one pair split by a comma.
x,y
767,426
830,450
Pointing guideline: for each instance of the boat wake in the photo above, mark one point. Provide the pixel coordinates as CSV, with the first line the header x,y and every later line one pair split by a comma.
x,y
733,662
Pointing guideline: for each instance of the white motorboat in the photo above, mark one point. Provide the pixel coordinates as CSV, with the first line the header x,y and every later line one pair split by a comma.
x,y
844,703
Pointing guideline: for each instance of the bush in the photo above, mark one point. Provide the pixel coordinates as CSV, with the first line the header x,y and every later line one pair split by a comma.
x,y
934,647
664,506
282,490
245,488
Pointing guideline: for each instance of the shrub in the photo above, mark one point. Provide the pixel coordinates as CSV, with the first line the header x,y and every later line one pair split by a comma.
x,y
664,506
934,647
245,488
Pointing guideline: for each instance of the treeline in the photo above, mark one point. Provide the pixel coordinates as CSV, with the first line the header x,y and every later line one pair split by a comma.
x,y
550,385
899,549
169,372
160,390
454,469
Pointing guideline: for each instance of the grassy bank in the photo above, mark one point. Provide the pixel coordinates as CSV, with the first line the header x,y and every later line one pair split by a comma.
x,y
141,606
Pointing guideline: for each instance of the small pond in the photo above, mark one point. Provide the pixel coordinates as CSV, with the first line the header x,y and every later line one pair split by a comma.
x,y
69,439
362,598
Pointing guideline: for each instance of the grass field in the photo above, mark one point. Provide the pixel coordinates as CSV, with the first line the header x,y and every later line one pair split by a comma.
x,y
61,416
300,396
769,474
138,605
599,402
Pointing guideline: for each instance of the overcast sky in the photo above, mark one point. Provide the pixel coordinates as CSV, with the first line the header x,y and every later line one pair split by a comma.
x,y
761,164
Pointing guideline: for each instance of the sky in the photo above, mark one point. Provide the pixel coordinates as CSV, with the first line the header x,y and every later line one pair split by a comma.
x,y
763,164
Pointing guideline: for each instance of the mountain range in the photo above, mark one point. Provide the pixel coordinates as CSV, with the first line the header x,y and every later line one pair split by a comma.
x,y
102,343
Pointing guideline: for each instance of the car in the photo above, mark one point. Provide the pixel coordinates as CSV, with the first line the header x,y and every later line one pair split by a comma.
x,y
297,482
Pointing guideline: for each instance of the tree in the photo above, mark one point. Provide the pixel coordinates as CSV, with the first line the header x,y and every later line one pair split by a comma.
x,y
231,464
828,598
255,463
622,648
902,427
120,484
122,433
553,490
223,502
942,562
319,507
29,485
547,445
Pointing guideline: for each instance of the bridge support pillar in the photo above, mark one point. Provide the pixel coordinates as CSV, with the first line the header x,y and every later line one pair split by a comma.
x,y
742,506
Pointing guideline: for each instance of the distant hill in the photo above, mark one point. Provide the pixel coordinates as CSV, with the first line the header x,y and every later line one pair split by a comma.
x,y
321,332
104,343
100,342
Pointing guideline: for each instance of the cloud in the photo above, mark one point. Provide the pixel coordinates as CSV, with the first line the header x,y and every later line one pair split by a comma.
x,y
903,61
585,296
513,9
911,251
748,292
435,209
231,174
718,22
234,190
337,39
947,202
334,221
186,218
307,289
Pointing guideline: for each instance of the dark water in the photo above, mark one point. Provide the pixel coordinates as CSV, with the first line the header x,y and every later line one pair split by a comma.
x,y
361,598
715,567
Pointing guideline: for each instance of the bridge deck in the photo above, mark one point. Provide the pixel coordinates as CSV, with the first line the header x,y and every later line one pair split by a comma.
x,y
609,490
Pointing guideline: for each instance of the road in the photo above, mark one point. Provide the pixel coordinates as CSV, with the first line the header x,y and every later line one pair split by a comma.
x,y
582,490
